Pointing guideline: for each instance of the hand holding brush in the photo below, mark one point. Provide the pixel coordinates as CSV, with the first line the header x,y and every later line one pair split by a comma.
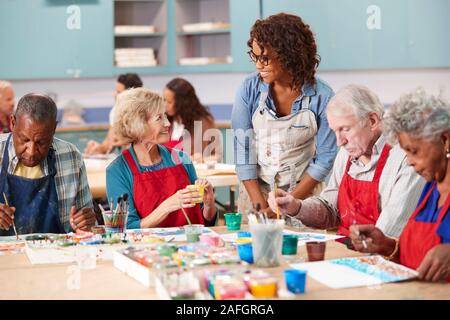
x,y
7,218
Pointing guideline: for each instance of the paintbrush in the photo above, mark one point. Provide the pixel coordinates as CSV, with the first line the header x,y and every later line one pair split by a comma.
x,y
258,212
117,212
363,240
275,195
14,225
101,208
185,214
125,202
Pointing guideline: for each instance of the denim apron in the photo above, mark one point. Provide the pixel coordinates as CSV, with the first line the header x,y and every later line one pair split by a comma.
x,y
284,147
35,200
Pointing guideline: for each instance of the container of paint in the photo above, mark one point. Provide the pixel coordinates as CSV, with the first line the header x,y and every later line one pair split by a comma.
x,y
295,280
290,244
193,232
263,287
316,250
233,221
245,251
211,240
199,188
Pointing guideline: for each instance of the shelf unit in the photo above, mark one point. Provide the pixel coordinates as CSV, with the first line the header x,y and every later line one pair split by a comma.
x,y
89,52
143,37
207,44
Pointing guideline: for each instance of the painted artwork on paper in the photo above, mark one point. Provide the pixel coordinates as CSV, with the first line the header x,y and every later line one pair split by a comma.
x,y
356,271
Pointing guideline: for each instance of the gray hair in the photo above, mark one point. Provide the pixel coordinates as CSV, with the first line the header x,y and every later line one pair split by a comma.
x,y
38,107
358,99
133,108
3,85
417,113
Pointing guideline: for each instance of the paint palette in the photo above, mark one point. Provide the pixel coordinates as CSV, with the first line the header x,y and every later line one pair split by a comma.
x,y
67,248
141,263
219,284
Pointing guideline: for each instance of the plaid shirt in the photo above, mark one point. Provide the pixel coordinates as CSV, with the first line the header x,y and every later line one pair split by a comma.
x,y
71,180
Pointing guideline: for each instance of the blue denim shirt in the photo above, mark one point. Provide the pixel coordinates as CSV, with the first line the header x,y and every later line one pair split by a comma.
x,y
246,103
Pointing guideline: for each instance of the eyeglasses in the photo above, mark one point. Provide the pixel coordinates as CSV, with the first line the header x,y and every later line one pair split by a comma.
x,y
263,59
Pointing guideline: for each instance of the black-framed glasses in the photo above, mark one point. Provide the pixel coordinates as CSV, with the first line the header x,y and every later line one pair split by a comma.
x,y
263,59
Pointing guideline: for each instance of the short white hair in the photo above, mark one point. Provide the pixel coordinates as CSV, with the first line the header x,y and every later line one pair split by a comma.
x,y
133,108
358,99
3,85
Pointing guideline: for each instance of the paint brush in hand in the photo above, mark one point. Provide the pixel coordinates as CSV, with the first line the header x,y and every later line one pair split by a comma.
x,y
185,214
361,237
14,225
275,189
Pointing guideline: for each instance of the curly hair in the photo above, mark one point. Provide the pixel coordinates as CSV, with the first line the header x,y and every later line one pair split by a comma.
x,y
293,42
419,114
130,80
187,104
133,109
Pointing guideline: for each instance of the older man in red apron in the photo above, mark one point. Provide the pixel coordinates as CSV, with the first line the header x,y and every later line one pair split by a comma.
x,y
371,182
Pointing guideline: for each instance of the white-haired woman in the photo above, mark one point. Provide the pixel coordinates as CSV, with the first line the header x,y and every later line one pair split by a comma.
x,y
421,123
154,177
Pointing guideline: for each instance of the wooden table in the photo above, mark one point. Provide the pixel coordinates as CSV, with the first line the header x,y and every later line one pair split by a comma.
x,y
21,280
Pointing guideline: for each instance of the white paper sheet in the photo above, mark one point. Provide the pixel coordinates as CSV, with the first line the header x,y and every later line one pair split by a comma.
x,y
356,273
169,234
303,237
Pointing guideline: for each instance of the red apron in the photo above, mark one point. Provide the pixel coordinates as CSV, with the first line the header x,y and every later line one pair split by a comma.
x,y
419,237
150,189
358,200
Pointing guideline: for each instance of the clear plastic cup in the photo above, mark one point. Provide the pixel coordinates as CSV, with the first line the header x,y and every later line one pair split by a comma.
x,y
267,241
115,222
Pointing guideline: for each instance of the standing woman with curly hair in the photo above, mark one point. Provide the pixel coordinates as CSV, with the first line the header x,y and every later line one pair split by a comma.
x,y
281,133
185,112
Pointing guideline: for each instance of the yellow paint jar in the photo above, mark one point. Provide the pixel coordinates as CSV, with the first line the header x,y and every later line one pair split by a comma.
x,y
243,240
199,188
264,287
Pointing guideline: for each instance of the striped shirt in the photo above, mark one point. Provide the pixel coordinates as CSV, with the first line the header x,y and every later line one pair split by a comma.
x,y
398,191
70,179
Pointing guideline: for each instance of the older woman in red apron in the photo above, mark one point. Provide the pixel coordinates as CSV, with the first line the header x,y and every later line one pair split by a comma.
x,y
155,176
421,123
